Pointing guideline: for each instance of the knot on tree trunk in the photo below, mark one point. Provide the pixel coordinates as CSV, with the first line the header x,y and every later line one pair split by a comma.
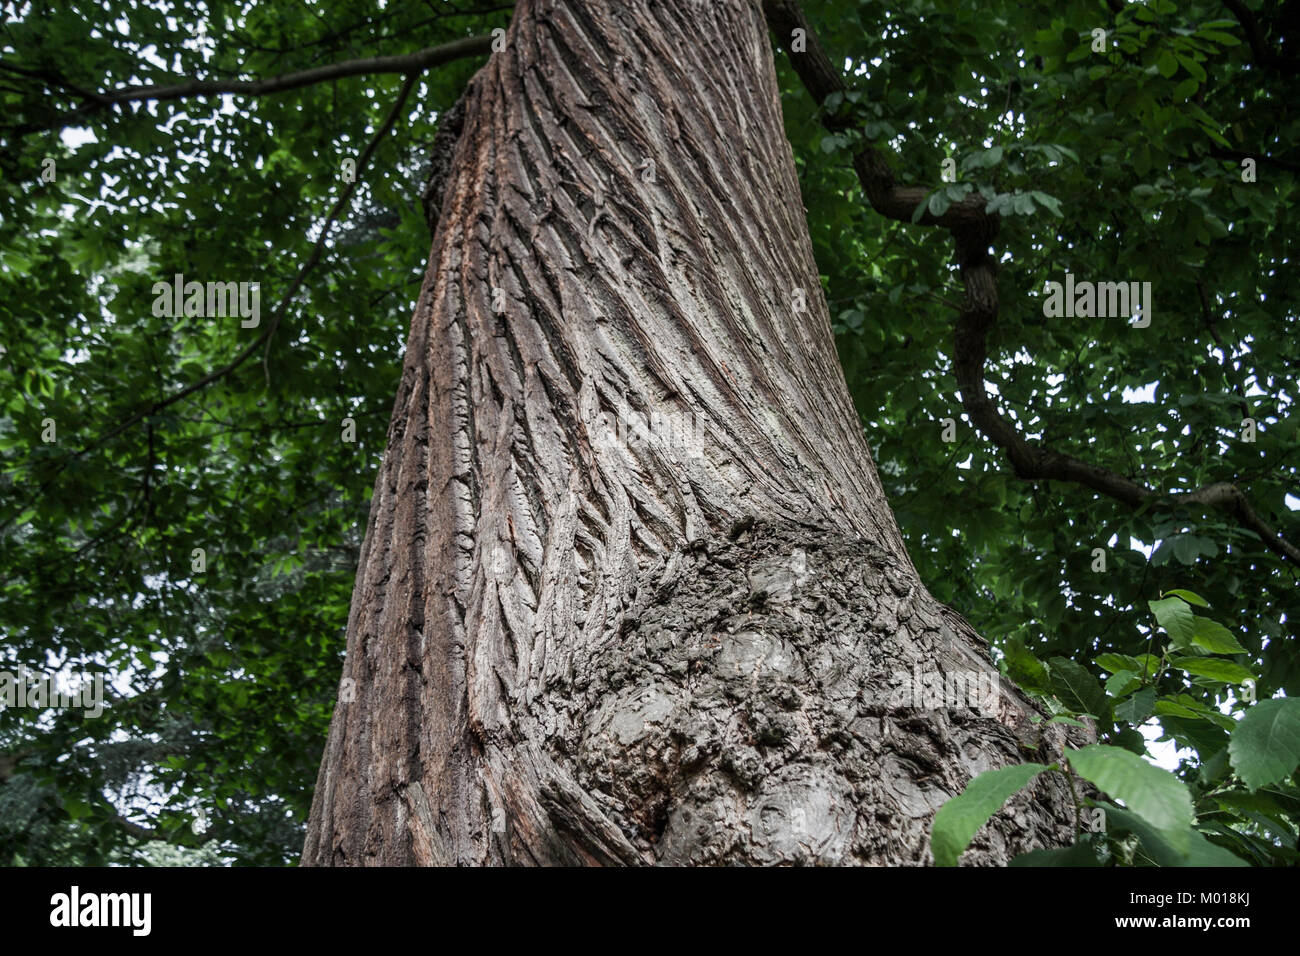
x,y
789,697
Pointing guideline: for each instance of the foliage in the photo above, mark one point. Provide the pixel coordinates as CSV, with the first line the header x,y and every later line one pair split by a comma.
x,y
1122,165
1235,798
225,679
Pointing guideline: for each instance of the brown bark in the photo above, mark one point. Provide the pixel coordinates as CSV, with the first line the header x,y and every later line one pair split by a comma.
x,y
572,646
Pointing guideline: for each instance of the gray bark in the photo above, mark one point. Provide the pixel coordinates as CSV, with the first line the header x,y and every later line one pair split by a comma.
x,y
577,640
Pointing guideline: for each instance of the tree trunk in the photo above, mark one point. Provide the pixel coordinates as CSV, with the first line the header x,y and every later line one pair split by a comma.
x,y
631,591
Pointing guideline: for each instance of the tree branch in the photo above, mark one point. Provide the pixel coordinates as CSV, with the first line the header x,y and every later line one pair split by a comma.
x,y
821,79
409,64
141,832
1238,155
136,830
1262,53
973,230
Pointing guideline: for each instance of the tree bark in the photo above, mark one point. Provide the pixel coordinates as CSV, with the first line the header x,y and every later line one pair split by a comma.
x,y
631,591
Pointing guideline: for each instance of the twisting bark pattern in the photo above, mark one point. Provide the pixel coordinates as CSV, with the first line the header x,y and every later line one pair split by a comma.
x,y
569,648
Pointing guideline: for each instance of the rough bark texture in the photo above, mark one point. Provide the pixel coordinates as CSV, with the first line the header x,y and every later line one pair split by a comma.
x,y
679,644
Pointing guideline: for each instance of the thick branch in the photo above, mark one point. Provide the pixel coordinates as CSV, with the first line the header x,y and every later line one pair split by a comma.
x,y
1263,54
973,230
141,832
1228,497
1238,155
408,64
136,830
821,79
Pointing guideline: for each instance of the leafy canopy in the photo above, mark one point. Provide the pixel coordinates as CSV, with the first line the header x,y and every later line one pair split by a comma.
x,y
1123,165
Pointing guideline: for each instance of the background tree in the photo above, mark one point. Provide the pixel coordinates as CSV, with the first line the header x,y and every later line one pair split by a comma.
x,y
226,678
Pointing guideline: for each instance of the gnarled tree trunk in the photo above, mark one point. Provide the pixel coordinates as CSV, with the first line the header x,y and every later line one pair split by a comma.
x,y
631,591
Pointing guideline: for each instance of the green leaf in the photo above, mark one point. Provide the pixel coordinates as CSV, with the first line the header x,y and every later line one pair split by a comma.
x,y
1214,769
1062,719
1167,64
1187,596
1150,665
1175,616
1023,667
958,820
1131,740
1198,852
1223,39
1156,795
1050,203
987,159
1227,671
1145,665
1214,637
1265,746
1118,662
1189,708
1191,66
1121,682
1023,204
1261,801
1136,709
1188,547
1081,854
1077,688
